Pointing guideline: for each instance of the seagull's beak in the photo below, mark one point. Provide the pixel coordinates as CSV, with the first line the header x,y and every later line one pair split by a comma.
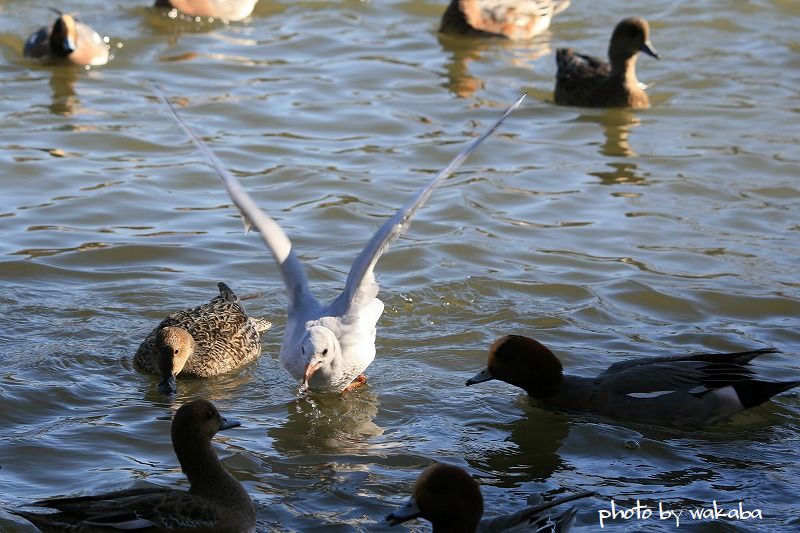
x,y
648,49
310,369
480,377
407,512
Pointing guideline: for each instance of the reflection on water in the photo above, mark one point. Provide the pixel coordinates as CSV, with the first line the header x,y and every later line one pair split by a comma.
x,y
622,172
528,449
62,83
464,50
617,125
328,423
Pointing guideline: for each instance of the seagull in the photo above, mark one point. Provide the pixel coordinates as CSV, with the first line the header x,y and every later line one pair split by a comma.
x,y
328,347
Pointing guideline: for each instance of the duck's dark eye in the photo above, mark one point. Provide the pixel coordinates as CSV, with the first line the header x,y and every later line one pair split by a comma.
x,y
325,351
210,414
176,351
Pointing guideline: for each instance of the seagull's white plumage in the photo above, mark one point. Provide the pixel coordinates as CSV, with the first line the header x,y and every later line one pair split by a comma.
x,y
328,347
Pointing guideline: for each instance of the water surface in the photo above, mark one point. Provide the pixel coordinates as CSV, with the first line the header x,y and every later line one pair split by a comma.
x,y
602,233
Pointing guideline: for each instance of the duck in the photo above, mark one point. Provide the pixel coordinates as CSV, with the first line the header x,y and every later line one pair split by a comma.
x,y
223,9
202,341
587,81
215,501
67,41
517,20
328,346
450,499
683,391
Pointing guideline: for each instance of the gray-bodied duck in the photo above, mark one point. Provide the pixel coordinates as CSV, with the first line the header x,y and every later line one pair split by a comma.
x,y
517,20
203,341
587,81
450,499
222,9
67,41
215,501
691,390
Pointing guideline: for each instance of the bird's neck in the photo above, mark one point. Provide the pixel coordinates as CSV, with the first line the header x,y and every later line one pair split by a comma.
x,y
207,477
624,68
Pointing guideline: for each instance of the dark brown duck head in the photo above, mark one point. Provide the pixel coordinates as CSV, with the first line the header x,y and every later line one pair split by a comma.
x,y
524,363
193,427
445,495
175,345
631,36
64,36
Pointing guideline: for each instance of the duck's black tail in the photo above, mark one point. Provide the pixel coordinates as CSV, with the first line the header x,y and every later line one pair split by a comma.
x,y
754,392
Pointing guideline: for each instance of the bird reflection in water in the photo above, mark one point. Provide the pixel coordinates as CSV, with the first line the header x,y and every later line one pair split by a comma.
x,y
62,84
525,449
617,125
325,423
463,50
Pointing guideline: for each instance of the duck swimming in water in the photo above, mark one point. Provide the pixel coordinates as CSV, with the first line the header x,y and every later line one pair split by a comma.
x,y
449,498
203,341
222,9
587,81
67,41
517,20
215,501
684,390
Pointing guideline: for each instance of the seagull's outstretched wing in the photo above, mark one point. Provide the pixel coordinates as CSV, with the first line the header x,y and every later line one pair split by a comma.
x,y
393,227
274,237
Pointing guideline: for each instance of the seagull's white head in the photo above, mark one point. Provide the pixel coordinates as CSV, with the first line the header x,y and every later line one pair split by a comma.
x,y
320,348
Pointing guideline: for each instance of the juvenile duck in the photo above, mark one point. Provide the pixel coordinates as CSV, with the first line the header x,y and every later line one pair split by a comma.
x,y
203,341
223,9
451,500
517,20
693,390
69,41
591,82
215,502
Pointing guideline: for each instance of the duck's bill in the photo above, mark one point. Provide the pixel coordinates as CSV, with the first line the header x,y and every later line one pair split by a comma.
x,y
69,45
407,512
480,377
228,423
648,49
168,386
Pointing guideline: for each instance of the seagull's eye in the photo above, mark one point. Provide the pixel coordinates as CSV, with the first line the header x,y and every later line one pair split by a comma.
x,y
325,351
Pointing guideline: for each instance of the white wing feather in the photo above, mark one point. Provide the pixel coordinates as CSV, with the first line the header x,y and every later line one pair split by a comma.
x,y
361,270
272,234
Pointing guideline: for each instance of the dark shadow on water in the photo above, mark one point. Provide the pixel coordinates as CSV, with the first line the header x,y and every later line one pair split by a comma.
x,y
525,449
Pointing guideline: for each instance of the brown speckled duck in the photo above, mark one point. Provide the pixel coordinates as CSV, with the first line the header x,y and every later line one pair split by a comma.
x,y
451,500
591,82
517,20
215,501
684,390
203,341
222,9
67,41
